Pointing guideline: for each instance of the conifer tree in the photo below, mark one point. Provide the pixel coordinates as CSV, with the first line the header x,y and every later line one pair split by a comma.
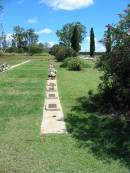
x,y
75,41
108,40
92,43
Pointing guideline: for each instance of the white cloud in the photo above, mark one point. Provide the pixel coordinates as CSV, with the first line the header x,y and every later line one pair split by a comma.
x,y
98,46
33,20
9,38
68,4
45,31
50,43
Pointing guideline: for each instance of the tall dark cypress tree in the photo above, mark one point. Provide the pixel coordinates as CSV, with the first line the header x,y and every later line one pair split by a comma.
x,y
92,43
75,41
108,40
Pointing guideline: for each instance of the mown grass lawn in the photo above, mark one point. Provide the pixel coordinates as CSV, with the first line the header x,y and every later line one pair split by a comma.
x,y
13,59
73,85
22,149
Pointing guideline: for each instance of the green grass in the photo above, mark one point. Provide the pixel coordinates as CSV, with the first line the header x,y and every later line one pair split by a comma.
x,y
22,149
12,59
73,85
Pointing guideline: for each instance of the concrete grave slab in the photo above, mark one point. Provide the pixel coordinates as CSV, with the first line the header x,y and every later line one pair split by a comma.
x,y
51,95
53,117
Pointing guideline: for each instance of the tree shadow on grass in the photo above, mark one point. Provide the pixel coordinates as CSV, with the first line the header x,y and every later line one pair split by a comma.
x,y
104,134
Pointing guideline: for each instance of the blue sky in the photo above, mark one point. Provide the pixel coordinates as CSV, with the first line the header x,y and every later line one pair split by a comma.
x,y
46,16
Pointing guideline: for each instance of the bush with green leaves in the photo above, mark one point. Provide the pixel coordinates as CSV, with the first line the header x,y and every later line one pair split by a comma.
x,y
11,49
61,52
54,49
75,64
115,85
35,48
64,64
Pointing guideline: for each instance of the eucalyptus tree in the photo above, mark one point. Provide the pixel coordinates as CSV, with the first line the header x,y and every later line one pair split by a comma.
x,y
18,37
23,39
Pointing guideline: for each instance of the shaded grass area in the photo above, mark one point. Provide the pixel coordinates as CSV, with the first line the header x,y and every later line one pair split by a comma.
x,y
92,131
106,135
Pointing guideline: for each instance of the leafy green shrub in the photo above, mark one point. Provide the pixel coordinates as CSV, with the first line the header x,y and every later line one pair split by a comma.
x,y
99,61
11,49
115,64
61,52
35,49
75,64
54,49
64,64
86,64
20,50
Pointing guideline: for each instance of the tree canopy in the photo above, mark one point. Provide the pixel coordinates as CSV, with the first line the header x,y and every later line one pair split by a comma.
x,y
23,39
116,67
65,34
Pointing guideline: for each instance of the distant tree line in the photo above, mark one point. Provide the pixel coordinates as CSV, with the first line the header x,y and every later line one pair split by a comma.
x,y
23,41
71,37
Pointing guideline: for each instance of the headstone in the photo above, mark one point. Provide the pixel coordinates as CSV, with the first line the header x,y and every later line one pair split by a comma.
x,y
51,89
51,95
52,84
51,106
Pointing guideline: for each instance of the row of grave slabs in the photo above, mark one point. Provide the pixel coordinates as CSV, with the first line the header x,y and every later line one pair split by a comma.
x,y
53,117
